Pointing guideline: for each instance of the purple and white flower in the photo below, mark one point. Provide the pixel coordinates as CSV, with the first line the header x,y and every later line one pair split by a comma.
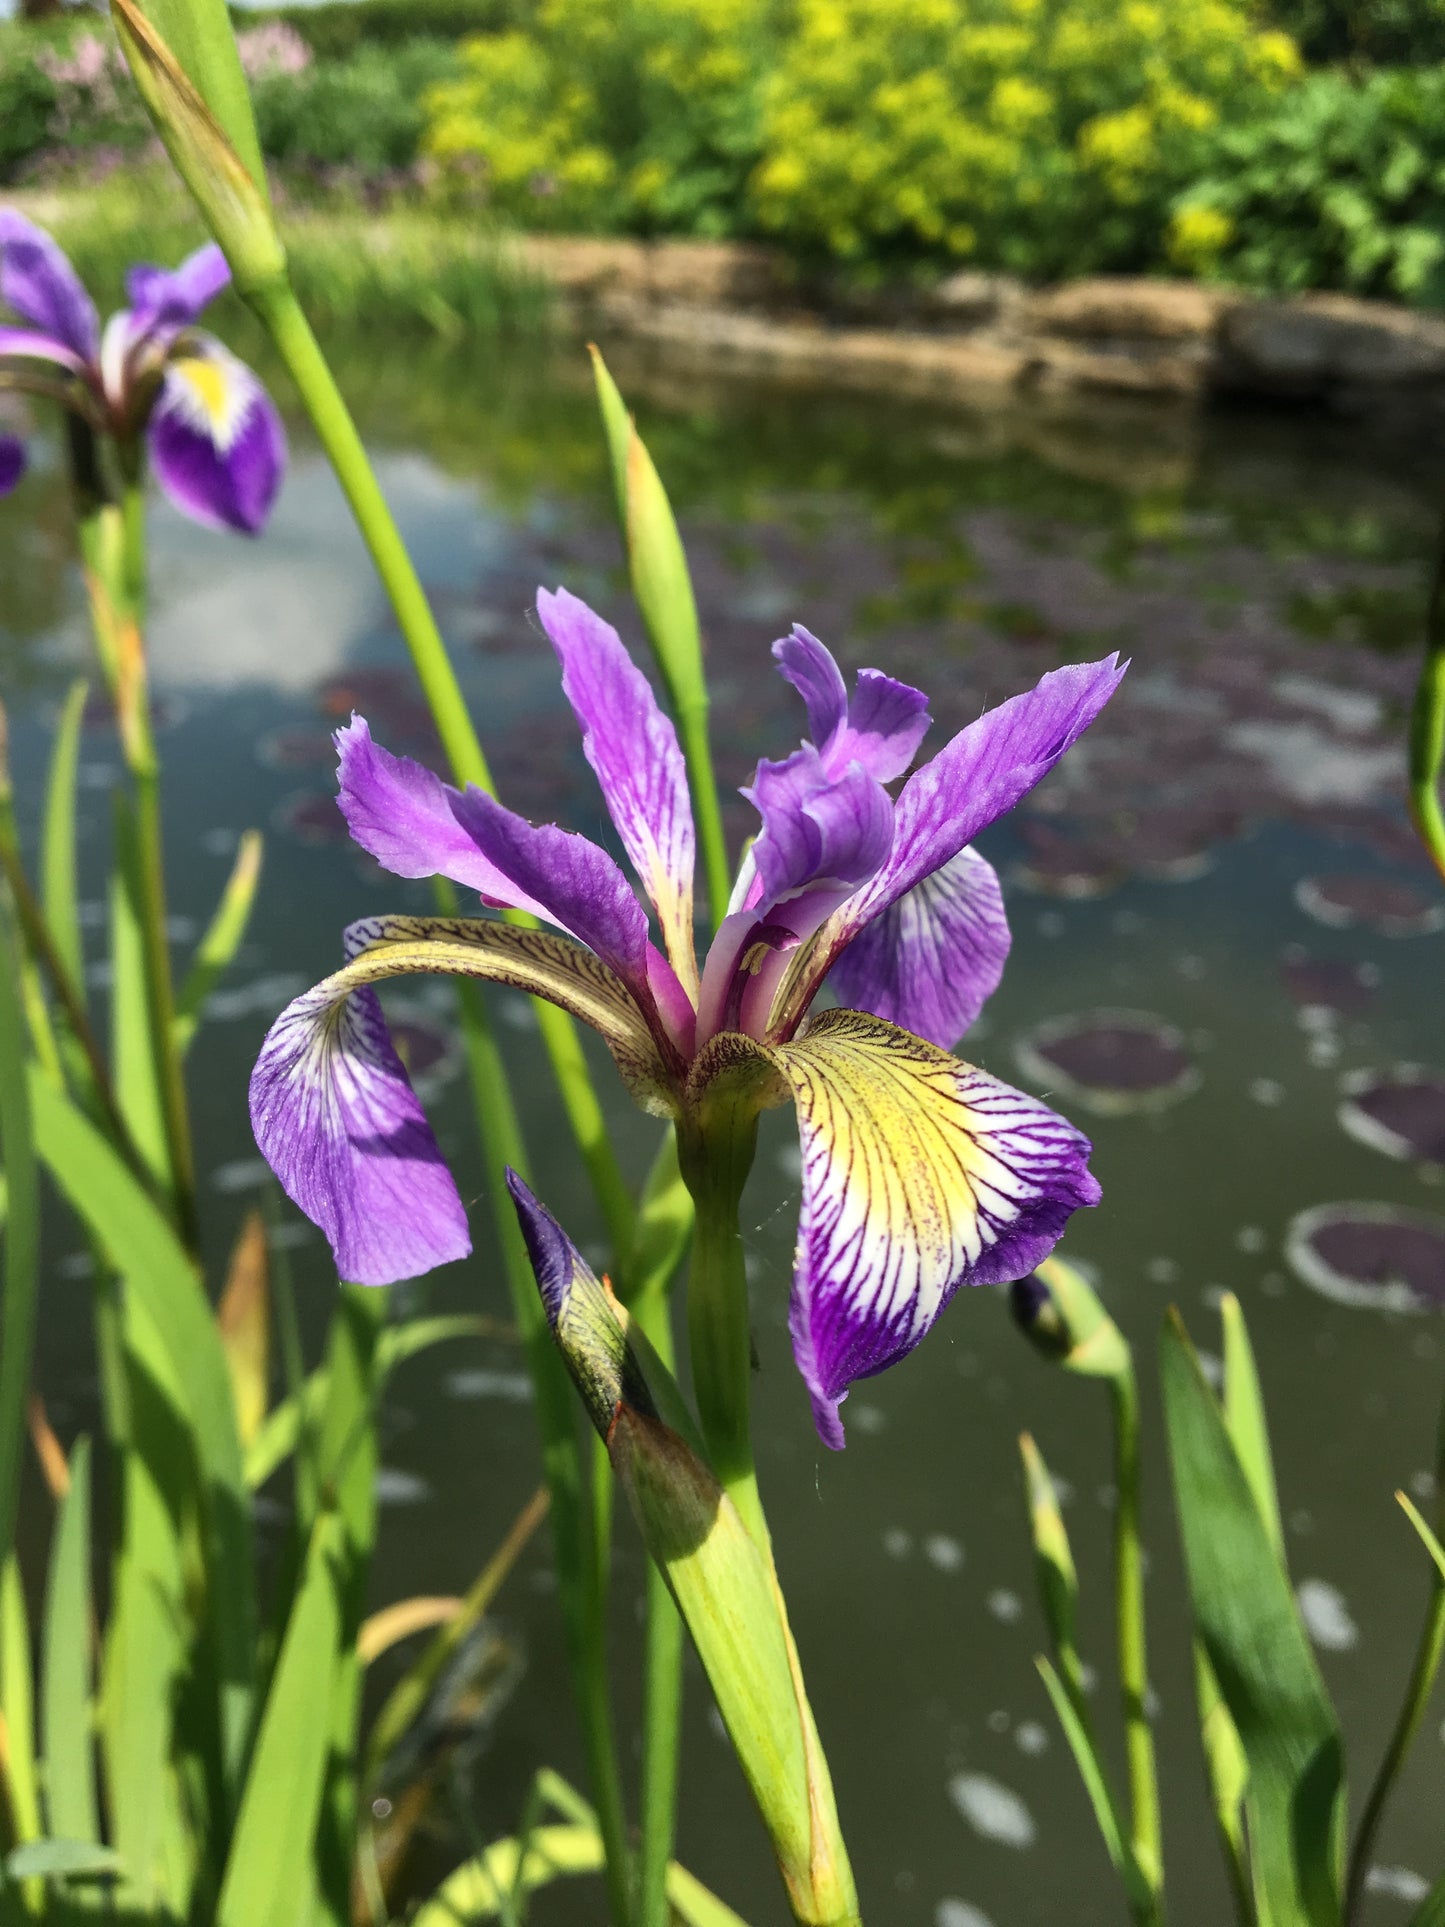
x,y
215,439
921,1173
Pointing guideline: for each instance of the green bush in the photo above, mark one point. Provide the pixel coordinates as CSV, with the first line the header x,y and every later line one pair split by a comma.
x,y
336,31
27,100
636,114
1342,185
364,111
1047,137
1383,31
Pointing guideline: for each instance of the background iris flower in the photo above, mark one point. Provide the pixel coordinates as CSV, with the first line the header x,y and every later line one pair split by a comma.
x,y
920,1173
215,439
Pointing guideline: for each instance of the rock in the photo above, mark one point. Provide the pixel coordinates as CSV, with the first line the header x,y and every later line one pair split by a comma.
x,y
972,299
1127,308
1316,342
1121,368
704,272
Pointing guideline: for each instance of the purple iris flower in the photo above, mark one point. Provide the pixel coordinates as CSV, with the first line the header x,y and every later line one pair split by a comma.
x,y
215,439
920,1173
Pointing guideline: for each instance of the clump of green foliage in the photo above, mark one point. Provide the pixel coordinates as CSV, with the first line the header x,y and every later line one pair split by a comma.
x,y
362,110
334,32
1042,136
1340,185
645,115
1046,136
1383,31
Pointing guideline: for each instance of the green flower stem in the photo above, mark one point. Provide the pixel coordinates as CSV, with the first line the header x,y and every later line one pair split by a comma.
x,y
707,812
1428,1654
573,1540
1145,1837
281,313
1427,722
715,1154
112,544
662,1686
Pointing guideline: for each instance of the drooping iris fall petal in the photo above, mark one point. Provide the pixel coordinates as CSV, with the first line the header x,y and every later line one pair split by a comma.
x,y
12,462
921,1174
933,959
38,282
634,750
338,1122
216,440
333,1110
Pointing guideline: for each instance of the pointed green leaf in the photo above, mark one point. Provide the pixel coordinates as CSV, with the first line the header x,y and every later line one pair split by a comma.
x,y
70,1801
1053,1566
1096,1785
269,1870
132,1054
1245,1418
21,1234
1427,1537
1246,1617
617,426
22,1783
57,857
223,938
60,1859
144,1249
198,34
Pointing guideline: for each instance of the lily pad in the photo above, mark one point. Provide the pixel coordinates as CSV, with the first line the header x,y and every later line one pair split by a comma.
x,y
1382,1257
312,816
1382,904
1400,1112
1111,1061
1328,983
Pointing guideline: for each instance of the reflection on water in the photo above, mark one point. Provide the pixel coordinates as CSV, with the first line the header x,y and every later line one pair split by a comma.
x,y
1216,899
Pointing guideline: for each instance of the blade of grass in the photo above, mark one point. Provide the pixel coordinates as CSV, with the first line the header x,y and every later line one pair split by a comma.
x,y
57,858
223,938
412,1690
65,1688
21,1234
132,1053
270,1867
1247,1619
18,1775
244,1319
1244,1417
106,1195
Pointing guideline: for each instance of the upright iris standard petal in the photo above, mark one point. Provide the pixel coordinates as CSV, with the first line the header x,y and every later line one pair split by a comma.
x,y
12,462
920,1174
881,728
634,750
338,1122
933,959
38,282
818,830
216,440
174,297
418,826
973,780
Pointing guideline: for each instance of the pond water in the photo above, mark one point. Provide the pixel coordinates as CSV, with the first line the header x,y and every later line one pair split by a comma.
x,y
1225,948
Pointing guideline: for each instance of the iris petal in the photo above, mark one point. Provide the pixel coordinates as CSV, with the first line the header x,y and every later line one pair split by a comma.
x,y
416,825
920,1174
216,441
881,728
174,297
337,1120
973,780
633,748
26,344
38,282
12,462
934,958
333,1110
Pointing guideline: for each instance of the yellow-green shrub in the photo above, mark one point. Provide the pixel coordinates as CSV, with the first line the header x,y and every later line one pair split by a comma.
x,y
606,114
1047,136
